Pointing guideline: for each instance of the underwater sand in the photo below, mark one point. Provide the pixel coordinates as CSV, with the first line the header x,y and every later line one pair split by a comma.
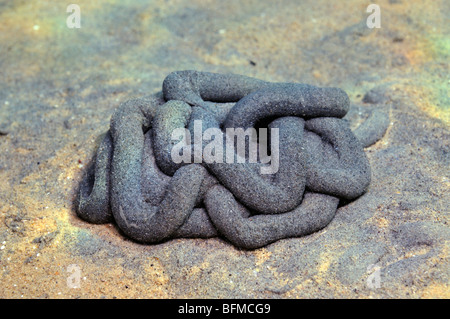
x,y
60,86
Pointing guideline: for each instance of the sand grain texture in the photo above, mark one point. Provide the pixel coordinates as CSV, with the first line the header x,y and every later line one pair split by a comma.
x,y
60,86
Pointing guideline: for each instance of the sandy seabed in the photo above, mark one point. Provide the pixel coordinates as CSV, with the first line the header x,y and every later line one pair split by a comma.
x,y
59,87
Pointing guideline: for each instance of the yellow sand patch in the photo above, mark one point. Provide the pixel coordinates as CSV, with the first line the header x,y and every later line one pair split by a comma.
x,y
262,255
324,264
440,291
423,97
